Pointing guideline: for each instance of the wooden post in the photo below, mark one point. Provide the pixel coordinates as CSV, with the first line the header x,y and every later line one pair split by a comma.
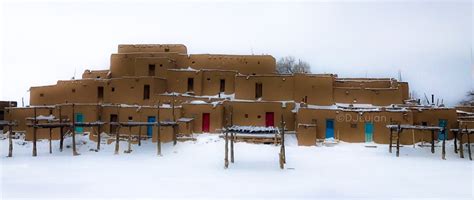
x,y
158,135
398,140
283,150
10,141
61,133
468,145
129,140
461,148
50,142
226,158
117,132
390,141
99,131
139,135
74,152
443,153
35,153
232,147
455,141
432,142
174,121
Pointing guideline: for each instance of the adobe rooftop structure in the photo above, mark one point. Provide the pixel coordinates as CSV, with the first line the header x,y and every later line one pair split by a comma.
x,y
198,93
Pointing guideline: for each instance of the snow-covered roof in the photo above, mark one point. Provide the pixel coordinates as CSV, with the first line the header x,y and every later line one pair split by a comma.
x,y
252,129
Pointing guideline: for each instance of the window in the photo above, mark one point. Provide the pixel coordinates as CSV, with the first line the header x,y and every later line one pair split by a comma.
x,y
222,87
41,95
113,89
424,123
167,50
146,92
190,84
246,115
130,118
100,93
151,70
73,90
258,90
161,65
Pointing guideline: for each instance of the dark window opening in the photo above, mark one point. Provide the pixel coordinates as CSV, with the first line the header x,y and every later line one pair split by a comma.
x,y
258,116
208,79
113,89
424,123
2,114
146,92
73,90
100,93
167,50
130,118
161,65
258,62
190,84
246,115
98,77
305,99
222,87
41,95
151,70
258,90
193,62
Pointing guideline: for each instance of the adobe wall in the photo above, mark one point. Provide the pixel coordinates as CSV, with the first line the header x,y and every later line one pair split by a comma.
x,y
178,81
274,87
378,97
71,91
95,74
211,81
245,64
432,117
349,126
162,64
133,64
130,90
316,89
129,48
253,113
196,111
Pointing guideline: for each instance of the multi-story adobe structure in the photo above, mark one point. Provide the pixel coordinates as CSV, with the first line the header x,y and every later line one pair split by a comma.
x,y
206,90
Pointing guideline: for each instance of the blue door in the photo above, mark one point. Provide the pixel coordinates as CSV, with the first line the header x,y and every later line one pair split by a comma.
x,y
149,129
369,132
442,123
79,118
329,128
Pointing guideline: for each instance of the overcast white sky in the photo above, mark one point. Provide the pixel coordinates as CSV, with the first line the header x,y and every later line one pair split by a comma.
x,y
429,41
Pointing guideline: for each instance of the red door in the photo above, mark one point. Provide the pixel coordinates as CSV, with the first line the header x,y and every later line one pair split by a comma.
x,y
269,119
206,122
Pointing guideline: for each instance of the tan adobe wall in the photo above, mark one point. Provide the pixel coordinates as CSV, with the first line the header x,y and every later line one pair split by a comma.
x,y
129,48
274,87
368,96
196,111
366,82
178,81
134,64
349,126
245,64
71,91
161,65
212,80
127,90
465,108
254,113
130,90
318,89
405,90
95,74
433,116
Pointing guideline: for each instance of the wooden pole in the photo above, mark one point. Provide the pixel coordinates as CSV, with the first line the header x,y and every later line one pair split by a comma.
x,y
158,135
61,133
99,131
50,142
443,153
174,121
283,150
390,141
232,147
10,141
469,145
461,148
35,153
226,158
455,141
117,133
74,152
432,142
129,140
398,140
139,135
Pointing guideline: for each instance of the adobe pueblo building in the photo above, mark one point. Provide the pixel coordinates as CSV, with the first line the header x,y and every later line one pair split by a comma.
x,y
196,93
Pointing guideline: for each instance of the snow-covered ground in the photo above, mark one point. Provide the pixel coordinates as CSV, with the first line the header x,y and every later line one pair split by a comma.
x,y
194,169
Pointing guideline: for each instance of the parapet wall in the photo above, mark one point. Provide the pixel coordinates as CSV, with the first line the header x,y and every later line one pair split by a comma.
x,y
133,48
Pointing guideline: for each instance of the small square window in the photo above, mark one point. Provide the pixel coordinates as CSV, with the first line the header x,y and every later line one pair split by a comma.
x,y
113,89
130,118
161,65
73,90
41,95
246,115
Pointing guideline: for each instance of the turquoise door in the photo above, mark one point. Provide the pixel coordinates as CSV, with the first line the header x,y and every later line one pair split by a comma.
x,y
149,129
442,123
79,118
329,128
369,132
